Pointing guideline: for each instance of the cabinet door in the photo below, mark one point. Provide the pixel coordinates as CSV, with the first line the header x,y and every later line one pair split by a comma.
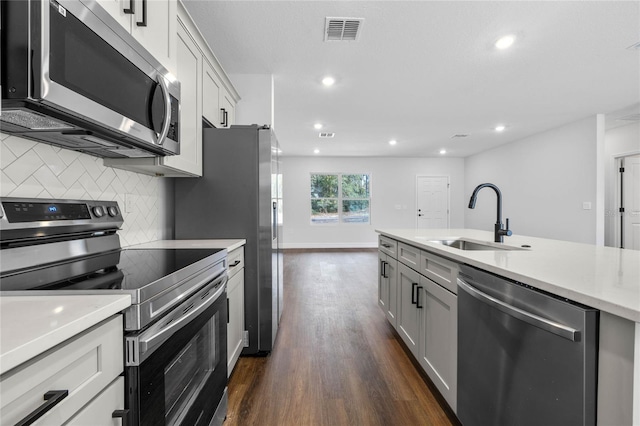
x,y
383,282
158,36
235,326
228,109
212,92
409,307
116,9
392,307
190,76
439,338
99,412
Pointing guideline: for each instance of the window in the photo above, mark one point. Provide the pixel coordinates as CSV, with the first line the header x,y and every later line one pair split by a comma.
x,y
340,198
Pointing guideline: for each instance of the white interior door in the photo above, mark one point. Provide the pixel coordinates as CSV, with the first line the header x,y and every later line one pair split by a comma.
x,y
432,201
631,202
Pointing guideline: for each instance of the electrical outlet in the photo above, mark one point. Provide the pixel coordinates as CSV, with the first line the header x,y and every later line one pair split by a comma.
x,y
128,203
586,205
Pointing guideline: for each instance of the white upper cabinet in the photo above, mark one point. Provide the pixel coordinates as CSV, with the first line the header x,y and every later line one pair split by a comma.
x,y
212,91
152,23
218,105
205,90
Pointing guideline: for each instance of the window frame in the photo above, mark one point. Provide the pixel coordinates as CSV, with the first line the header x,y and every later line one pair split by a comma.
x,y
339,199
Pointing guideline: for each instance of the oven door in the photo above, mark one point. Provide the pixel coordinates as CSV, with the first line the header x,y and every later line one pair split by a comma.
x,y
181,372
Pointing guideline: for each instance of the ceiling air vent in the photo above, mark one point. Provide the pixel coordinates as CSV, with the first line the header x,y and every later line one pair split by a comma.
x,y
342,29
326,134
631,117
459,135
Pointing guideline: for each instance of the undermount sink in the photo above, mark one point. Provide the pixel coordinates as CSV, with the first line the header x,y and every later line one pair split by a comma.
x,y
462,244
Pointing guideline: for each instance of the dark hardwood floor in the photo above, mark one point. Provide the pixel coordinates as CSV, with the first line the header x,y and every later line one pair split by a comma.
x,y
336,360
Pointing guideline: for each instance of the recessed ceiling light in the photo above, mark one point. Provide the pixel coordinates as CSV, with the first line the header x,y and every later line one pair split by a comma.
x,y
316,151
393,142
443,151
499,128
328,81
505,42
317,126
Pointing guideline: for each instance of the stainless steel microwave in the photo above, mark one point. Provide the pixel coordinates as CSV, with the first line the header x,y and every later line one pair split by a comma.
x,y
73,77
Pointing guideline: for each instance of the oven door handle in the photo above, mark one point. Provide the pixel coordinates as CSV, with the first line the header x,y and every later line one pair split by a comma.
x,y
189,312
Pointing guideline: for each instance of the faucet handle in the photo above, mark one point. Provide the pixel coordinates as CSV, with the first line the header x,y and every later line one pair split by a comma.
x,y
507,230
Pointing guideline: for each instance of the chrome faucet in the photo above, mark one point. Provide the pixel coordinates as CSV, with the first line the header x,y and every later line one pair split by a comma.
x,y
499,233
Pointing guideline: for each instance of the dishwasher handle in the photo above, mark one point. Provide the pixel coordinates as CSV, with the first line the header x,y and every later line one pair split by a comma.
x,y
543,323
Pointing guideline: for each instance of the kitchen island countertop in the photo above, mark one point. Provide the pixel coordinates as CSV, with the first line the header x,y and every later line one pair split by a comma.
x,y
31,325
605,278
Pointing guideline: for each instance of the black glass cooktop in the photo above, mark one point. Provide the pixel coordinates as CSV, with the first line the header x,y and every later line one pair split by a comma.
x,y
117,270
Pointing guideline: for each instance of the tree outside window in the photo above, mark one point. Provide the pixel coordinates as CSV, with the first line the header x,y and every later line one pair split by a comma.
x,y
340,198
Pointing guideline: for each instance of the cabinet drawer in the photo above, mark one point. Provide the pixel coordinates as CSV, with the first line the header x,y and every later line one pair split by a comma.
x,y
236,261
99,412
388,246
409,255
442,271
83,365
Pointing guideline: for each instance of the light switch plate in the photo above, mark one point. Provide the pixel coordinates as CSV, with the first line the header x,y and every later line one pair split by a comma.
x,y
586,205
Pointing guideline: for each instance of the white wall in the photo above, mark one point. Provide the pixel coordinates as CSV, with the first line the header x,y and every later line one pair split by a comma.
x,y
393,182
37,170
256,104
544,181
620,141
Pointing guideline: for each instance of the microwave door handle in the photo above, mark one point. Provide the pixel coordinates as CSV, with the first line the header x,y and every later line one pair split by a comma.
x,y
167,114
191,311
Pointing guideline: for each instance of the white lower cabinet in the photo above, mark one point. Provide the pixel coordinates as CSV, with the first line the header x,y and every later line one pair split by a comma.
x,y
81,367
408,325
426,311
388,286
235,296
104,409
439,338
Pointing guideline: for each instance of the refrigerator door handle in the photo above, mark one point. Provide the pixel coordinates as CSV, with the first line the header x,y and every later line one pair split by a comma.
x,y
274,226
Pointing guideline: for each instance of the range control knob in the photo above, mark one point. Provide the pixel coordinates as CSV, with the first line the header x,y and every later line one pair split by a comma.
x,y
98,211
112,211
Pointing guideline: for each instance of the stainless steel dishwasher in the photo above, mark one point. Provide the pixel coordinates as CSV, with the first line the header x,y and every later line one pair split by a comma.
x,y
525,357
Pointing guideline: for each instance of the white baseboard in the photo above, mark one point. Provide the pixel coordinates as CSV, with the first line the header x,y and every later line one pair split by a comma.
x,y
328,245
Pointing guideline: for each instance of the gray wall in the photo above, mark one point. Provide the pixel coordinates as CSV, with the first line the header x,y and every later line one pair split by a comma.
x,y
544,179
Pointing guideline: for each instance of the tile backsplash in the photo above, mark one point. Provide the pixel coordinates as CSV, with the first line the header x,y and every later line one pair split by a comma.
x,y
37,170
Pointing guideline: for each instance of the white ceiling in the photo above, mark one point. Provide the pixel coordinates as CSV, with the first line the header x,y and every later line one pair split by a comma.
x,y
423,71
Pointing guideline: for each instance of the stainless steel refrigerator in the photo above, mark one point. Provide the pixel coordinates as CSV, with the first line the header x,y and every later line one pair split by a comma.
x,y
240,196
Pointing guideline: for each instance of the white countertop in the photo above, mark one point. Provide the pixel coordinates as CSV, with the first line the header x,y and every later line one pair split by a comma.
x,y
31,325
229,244
605,278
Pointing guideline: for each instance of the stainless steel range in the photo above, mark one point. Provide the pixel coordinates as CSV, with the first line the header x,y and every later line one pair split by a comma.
x,y
175,330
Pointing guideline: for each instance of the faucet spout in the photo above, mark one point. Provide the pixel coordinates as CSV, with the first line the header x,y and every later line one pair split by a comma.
x,y
499,232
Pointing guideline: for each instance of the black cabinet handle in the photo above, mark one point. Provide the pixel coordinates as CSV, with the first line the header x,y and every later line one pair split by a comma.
x,y
132,8
227,310
52,398
226,119
384,269
224,112
386,245
143,23
413,293
122,414
418,305
236,263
